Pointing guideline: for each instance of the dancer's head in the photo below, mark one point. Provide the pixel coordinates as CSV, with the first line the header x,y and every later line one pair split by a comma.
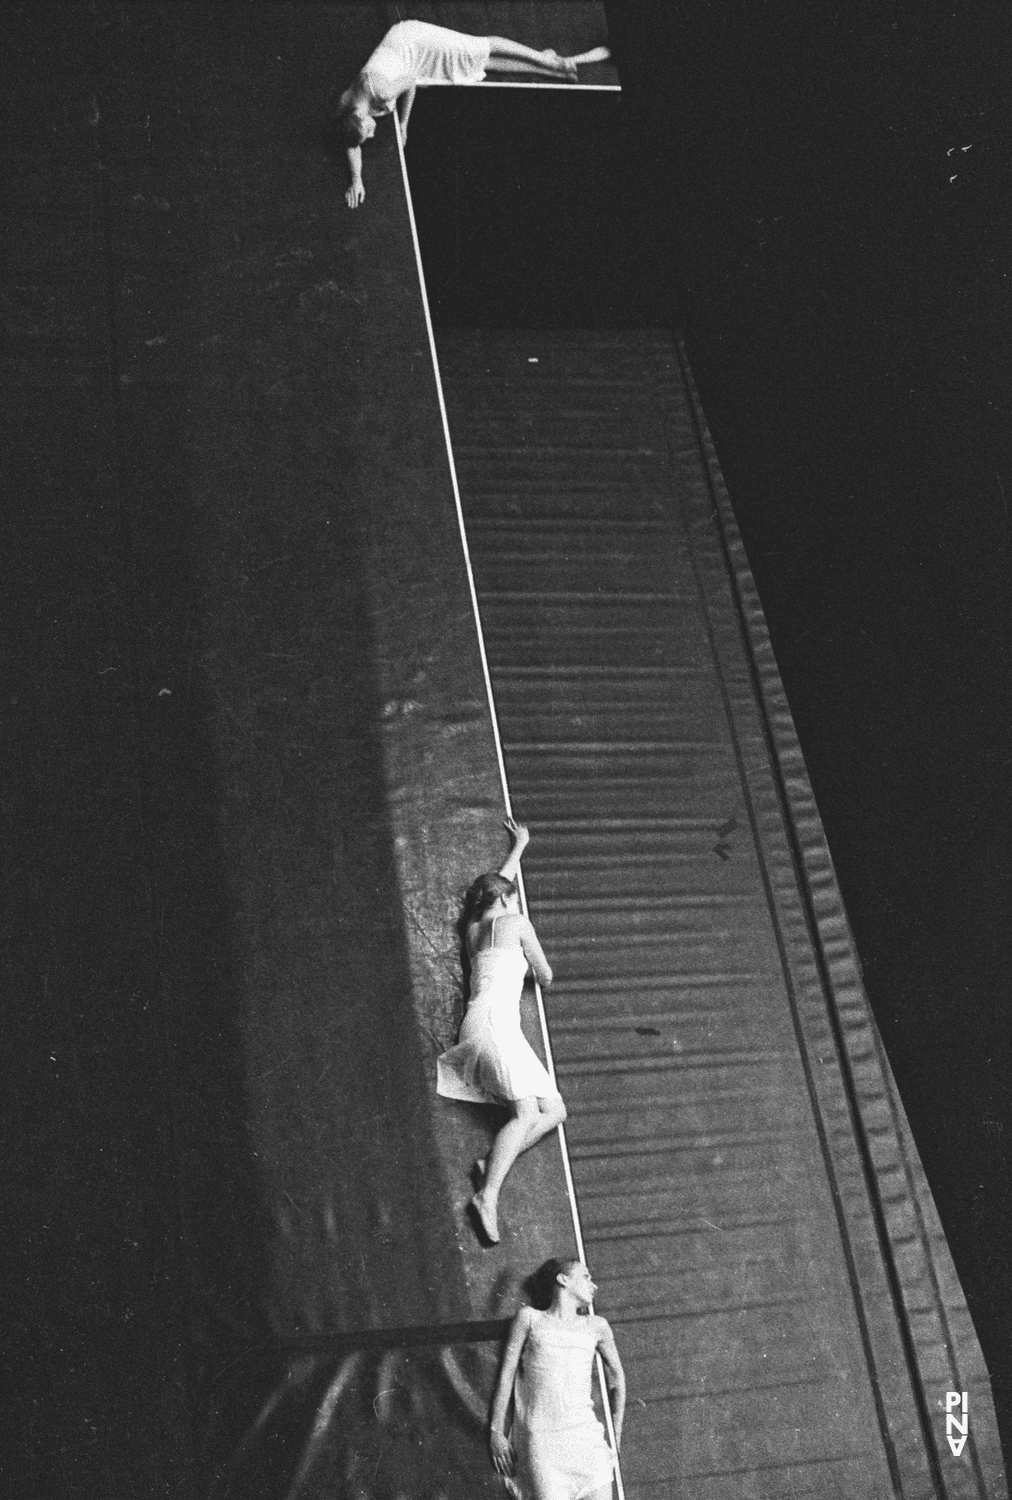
x,y
483,894
359,126
558,1276
350,119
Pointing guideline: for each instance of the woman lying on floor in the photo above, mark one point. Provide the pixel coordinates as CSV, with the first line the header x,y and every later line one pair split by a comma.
x,y
415,52
493,1062
557,1449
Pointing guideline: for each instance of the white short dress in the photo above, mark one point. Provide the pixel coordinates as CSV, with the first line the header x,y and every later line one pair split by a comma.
x,y
415,52
556,1434
493,1062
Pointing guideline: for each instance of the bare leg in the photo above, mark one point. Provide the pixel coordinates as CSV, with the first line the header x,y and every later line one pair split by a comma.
x,y
534,1118
506,56
517,65
551,1114
596,54
506,1148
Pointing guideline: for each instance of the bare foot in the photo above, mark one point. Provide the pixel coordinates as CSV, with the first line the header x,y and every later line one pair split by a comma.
x,y
558,64
595,55
486,1216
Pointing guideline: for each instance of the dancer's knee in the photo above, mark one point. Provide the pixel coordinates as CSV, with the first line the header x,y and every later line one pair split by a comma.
x,y
526,1109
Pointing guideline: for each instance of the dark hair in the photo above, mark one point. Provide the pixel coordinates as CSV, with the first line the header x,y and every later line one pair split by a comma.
x,y
350,128
342,120
483,894
540,1285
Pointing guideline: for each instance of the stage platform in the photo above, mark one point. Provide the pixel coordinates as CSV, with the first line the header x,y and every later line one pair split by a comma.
x,y
282,652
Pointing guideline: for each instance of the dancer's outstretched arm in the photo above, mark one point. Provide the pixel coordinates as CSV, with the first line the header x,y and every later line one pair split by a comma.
x,y
503,1456
521,838
615,1376
356,190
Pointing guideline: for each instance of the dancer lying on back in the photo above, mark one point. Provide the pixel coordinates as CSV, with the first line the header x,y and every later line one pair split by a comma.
x,y
557,1448
493,1063
415,52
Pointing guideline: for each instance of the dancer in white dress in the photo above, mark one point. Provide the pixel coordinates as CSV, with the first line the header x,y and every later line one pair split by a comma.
x,y
493,1063
416,52
557,1449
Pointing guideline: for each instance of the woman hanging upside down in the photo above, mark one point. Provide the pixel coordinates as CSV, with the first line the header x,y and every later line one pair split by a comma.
x,y
557,1448
415,52
493,1063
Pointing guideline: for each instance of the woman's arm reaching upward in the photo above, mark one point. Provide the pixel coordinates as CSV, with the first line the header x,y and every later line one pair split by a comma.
x,y
521,838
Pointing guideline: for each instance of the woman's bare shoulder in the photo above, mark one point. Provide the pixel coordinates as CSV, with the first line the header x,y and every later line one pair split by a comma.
x,y
522,1320
512,921
602,1329
479,935
516,929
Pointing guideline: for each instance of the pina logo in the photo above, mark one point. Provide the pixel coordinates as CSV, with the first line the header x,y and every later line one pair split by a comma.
x,y
956,1420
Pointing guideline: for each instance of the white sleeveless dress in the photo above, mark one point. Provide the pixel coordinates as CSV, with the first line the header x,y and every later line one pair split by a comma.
x,y
415,52
556,1433
493,1062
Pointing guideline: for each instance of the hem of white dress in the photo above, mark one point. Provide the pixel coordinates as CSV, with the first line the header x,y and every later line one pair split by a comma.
x,y
599,1482
463,1095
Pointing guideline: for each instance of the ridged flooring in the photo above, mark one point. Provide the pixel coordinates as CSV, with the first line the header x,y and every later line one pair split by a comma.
x,y
705,1208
